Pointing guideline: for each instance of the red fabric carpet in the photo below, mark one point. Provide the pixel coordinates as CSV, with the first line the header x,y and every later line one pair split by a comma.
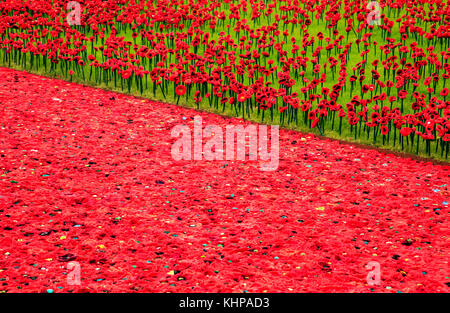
x,y
86,175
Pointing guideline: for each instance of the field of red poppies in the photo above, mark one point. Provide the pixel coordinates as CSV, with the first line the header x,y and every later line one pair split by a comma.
x,y
86,176
372,72
88,184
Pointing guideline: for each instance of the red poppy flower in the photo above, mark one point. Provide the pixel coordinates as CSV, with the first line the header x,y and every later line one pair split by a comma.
x,y
180,90
282,109
402,94
405,131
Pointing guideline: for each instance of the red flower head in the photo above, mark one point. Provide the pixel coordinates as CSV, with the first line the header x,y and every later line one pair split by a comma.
x,y
241,97
402,94
180,90
405,131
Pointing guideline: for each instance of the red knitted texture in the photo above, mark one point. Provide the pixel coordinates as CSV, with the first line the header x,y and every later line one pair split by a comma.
x,y
86,175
